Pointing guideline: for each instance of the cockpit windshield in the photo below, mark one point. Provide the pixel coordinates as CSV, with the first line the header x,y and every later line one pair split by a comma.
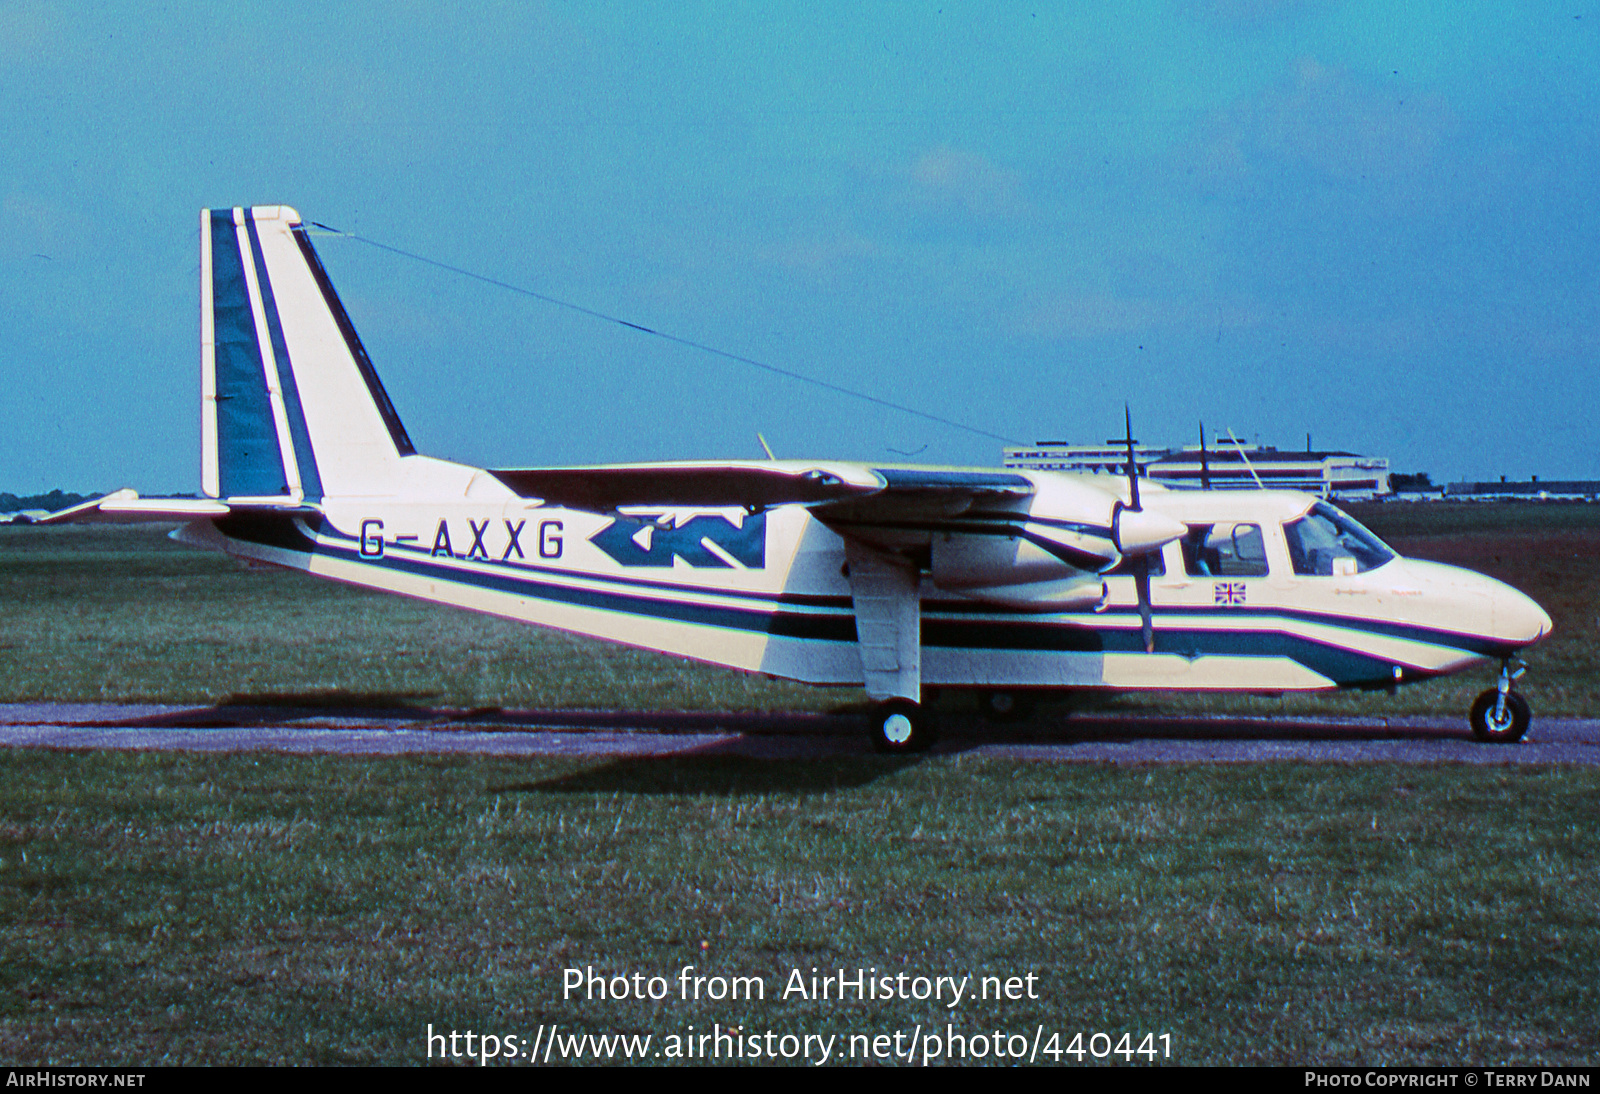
x,y
1326,541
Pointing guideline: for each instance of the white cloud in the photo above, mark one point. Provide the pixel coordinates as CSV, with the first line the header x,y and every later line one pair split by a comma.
x,y
1326,118
966,178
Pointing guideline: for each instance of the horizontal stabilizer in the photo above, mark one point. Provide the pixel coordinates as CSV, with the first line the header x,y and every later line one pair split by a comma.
x,y
127,507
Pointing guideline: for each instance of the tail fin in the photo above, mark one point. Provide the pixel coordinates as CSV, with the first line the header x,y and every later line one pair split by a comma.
x,y
290,404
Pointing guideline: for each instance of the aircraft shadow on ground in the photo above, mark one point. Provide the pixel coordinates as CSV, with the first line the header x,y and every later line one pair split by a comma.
x,y
776,739
267,708
414,707
1103,729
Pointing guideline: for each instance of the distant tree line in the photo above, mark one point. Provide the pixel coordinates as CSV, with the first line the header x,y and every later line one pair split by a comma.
x,y
1419,483
51,502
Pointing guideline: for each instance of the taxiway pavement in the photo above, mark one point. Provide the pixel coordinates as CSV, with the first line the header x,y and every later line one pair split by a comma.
x,y
1081,738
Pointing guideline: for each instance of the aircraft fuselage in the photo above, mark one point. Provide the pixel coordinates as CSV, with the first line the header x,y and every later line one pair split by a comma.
x,y
769,592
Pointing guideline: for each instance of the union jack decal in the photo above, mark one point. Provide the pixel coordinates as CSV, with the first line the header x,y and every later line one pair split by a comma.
x,y
1229,592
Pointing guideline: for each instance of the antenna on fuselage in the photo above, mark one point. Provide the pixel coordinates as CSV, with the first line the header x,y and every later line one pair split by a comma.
x,y
1248,466
1205,465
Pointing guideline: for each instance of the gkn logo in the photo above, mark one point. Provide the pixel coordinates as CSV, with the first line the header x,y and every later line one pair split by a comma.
x,y
706,542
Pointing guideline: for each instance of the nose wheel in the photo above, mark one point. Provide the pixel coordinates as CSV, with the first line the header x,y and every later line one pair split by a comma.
x,y
900,725
1500,715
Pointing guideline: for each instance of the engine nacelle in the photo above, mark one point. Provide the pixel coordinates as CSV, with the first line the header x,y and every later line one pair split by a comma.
x,y
1053,553
962,561
1067,595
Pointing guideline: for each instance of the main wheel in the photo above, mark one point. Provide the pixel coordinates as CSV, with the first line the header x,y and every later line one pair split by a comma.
x,y
1005,706
1508,727
900,725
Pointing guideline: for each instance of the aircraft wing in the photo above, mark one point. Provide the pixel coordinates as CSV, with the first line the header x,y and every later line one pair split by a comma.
x,y
709,485
986,530
845,492
913,492
127,507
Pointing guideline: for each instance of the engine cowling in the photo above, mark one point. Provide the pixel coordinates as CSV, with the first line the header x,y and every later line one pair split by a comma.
x,y
1051,554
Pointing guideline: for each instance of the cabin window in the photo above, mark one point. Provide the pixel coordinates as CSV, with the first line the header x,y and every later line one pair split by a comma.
x,y
1326,542
1225,550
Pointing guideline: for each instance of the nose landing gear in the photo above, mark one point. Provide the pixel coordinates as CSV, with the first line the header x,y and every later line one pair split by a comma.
x,y
1500,715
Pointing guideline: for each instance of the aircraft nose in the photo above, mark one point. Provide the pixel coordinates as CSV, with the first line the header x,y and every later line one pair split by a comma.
x,y
1518,618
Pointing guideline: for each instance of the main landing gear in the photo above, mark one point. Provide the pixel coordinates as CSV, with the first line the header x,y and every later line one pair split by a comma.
x,y
1500,715
900,725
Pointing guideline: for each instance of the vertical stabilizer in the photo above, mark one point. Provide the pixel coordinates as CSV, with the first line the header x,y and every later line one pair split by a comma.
x,y
291,406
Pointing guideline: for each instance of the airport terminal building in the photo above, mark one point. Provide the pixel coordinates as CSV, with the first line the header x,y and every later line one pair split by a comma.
x,y
1226,466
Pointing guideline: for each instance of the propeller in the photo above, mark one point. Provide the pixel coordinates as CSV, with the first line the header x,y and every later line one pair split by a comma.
x,y
1141,560
1205,466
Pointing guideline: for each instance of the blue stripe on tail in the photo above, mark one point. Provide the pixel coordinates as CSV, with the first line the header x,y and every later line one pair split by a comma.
x,y
248,461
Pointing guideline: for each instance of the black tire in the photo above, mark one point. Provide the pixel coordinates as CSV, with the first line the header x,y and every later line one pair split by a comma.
x,y
900,725
1505,731
1001,705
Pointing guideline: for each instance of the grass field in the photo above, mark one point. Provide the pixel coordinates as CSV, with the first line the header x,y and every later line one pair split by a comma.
x,y
275,909
290,909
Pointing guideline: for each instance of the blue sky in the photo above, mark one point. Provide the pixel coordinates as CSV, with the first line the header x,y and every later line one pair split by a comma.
x,y
1372,222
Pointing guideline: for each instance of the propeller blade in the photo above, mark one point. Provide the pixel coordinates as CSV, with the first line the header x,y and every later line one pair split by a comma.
x,y
1137,533
1141,583
1133,467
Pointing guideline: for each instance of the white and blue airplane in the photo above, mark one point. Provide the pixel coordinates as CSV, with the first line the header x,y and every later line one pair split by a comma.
x,y
896,578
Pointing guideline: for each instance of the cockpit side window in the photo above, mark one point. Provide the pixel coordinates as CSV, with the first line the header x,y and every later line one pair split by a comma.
x,y
1326,542
1224,550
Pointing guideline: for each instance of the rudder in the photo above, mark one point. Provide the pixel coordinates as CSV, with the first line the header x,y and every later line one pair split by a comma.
x,y
290,404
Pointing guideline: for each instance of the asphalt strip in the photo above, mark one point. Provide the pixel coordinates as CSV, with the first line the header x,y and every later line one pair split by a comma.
x,y
1089,738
